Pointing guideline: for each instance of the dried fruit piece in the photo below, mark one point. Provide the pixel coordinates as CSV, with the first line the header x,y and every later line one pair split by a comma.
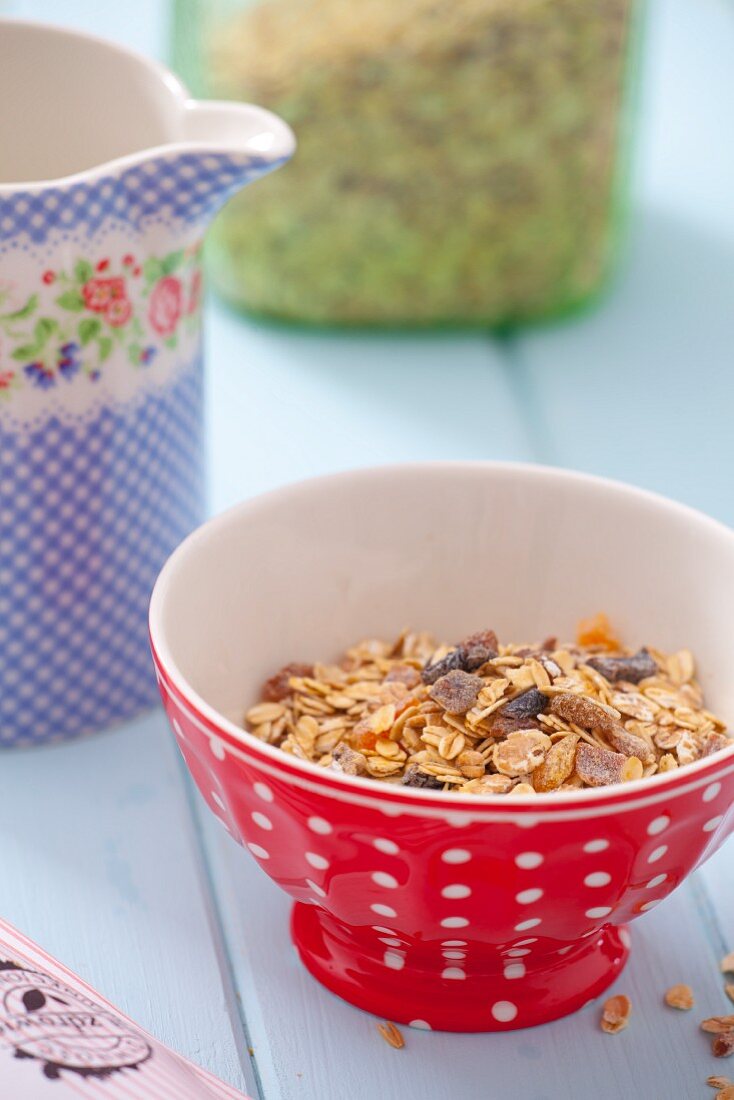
x,y
599,767
634,668
403,674
434,671
591,716
582,712
557,766
597,631
715,1024
529,704
521,752
629,744
457,691
478,649
391,1034
679,996
278,687
616,1014
344,759
715,742
727,964
722,1046
414,777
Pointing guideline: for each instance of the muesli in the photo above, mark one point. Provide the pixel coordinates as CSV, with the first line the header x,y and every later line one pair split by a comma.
x,y
485,717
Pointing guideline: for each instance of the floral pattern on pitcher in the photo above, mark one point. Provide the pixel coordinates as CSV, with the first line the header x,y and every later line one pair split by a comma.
x,y
66,331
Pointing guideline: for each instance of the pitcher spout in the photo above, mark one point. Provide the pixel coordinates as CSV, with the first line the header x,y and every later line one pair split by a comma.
x,y
221,148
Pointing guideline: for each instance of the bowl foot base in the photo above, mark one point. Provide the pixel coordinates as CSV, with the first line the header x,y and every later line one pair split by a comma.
x,y
452,996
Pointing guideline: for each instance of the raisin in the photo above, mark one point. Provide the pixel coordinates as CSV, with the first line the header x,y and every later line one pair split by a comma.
x,y
478,649
278,686
434,671
457,691
500,725
632,669
403,674
528,705
414,777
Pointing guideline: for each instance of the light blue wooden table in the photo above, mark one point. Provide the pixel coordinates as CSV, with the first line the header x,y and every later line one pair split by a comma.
x,y
111,862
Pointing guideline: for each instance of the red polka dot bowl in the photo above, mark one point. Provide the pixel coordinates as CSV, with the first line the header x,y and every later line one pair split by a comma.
x,y
461,912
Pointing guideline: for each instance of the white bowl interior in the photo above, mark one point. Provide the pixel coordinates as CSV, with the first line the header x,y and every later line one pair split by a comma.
x,y
302,573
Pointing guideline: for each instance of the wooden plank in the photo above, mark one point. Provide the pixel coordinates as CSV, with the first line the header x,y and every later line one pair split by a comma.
x,y
101,866
311,1046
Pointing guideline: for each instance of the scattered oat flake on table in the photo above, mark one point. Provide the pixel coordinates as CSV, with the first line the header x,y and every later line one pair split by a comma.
x,y
391,1035
727,963
729,990
679,996
716,1024
718,1082
726,1092
616,1013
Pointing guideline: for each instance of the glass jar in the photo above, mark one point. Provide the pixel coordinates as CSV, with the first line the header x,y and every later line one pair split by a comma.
x,y
458,160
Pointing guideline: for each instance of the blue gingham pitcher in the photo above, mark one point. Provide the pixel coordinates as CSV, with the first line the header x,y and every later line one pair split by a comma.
x,y
109,175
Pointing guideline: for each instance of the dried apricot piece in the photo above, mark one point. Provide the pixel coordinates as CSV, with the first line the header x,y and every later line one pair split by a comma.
x,y
679,996
616,1014
597,631
457,691
278,687
558,765
638,666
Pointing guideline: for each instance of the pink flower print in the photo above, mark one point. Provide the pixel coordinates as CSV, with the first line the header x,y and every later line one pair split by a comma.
x,y
6,379
194,292
98,293
165,306
118,312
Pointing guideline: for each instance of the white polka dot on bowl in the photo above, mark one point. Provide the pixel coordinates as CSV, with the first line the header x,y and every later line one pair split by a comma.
x,y
456,890
317,861
455,855
598,878
382,878
658,825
